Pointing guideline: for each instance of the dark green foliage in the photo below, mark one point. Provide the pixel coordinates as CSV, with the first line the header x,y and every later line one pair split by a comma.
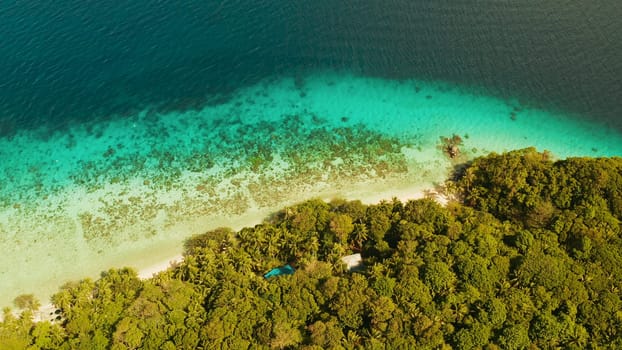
x,y
439,277
577,196
220,236
533,261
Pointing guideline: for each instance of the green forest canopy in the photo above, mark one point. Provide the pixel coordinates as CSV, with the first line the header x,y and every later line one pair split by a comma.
x,y
530,256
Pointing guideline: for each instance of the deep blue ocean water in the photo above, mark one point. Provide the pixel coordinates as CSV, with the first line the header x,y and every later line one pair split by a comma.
x,y
69,61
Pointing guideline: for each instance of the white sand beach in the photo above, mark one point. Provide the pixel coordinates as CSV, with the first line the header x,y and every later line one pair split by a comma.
x,y
148,266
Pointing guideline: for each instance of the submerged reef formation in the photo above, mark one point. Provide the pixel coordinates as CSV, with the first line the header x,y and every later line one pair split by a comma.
x,y
230,172
225,168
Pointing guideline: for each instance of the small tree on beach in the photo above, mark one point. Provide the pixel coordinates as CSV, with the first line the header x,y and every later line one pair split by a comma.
x,y
27,302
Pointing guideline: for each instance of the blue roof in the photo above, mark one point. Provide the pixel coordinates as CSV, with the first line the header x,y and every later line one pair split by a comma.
x,y
284,270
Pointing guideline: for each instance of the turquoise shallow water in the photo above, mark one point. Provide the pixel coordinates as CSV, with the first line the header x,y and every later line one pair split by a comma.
x,y
128,190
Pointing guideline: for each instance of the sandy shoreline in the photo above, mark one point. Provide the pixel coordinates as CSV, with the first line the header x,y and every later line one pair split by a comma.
x,y
147,268
148,272
163,265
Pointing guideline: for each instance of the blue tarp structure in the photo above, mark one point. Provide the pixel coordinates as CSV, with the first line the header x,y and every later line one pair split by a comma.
x,y
285,270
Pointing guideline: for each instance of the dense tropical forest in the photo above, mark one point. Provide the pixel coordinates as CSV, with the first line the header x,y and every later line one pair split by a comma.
x,y
528,255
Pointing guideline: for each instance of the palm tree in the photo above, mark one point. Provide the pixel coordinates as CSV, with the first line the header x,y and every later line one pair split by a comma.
x,y
188,270
358,236
273,241
352,340
241,261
